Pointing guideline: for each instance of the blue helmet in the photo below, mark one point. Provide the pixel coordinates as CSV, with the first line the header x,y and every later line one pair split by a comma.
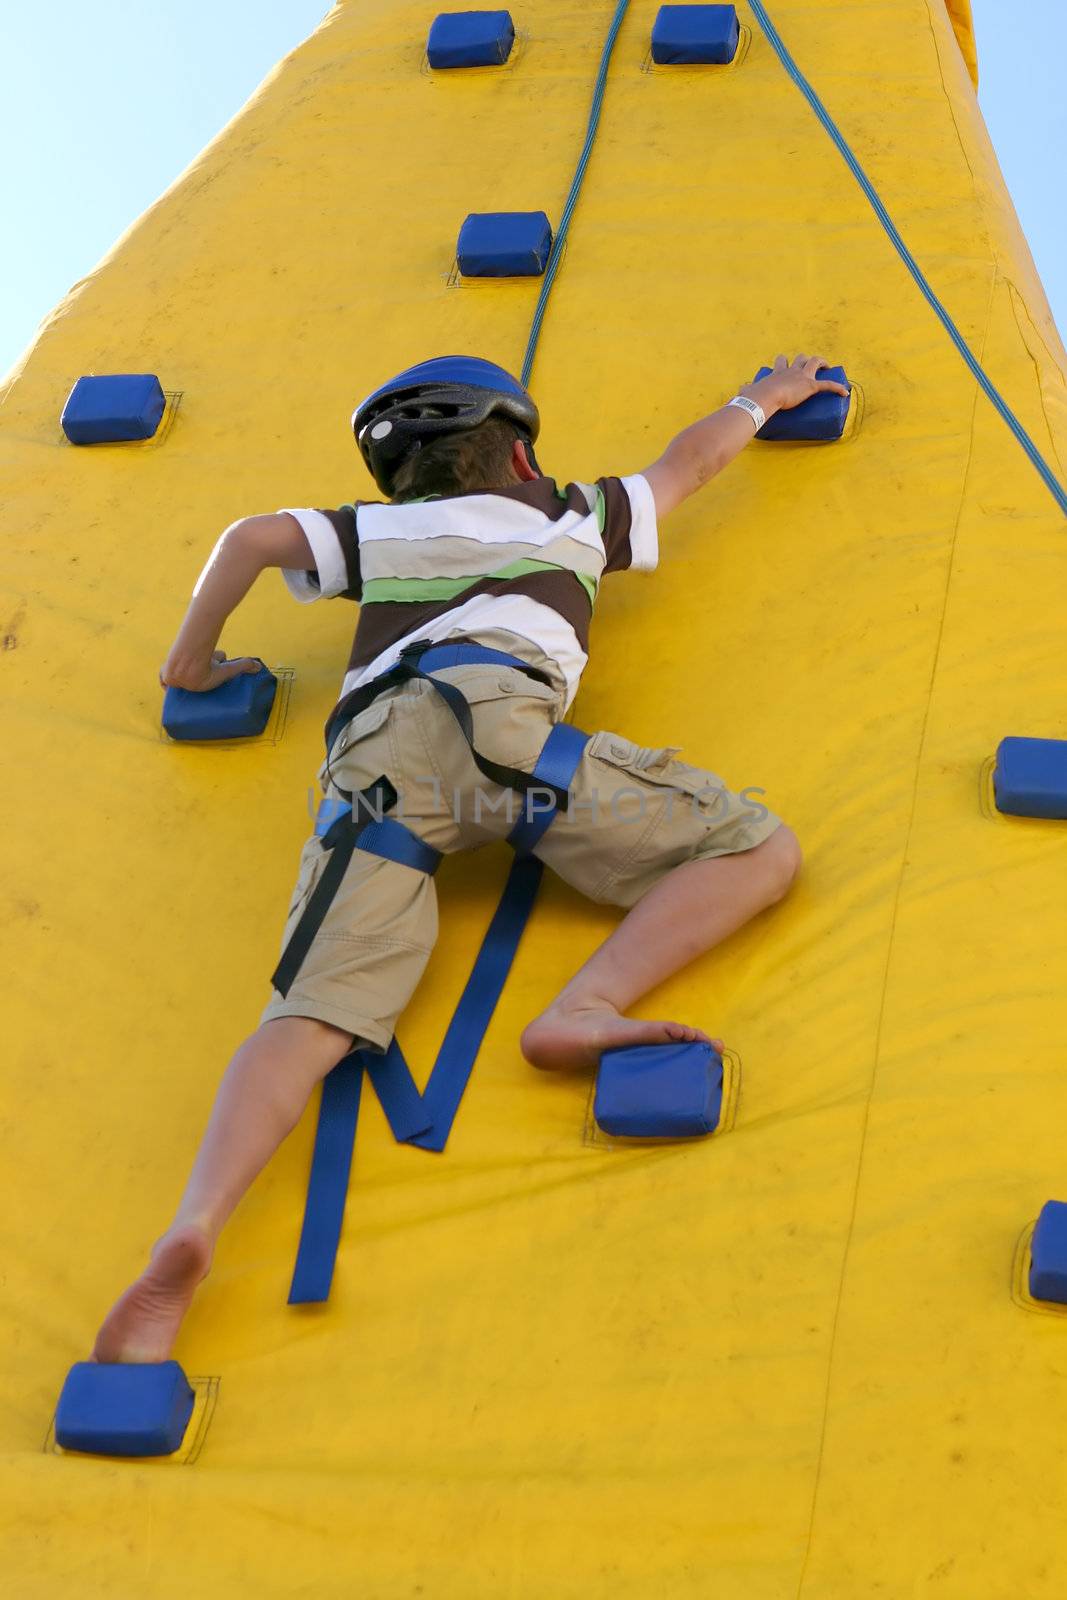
x,y
447,395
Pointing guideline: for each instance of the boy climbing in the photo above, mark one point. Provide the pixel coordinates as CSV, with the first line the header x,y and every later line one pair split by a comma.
x,y
474,548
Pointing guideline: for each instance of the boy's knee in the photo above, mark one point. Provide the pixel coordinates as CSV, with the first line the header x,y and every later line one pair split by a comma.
x,y
780,859
314,1046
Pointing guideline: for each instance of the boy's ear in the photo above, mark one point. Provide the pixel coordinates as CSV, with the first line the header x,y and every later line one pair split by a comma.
x,y
520,461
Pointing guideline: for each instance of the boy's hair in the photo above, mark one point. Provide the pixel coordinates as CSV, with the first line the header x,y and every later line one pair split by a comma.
x,y
459,463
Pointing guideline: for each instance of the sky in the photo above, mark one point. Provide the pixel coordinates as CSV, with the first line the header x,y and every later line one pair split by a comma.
x,y
104,102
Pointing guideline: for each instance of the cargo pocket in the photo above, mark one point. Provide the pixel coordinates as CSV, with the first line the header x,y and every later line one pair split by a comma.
x,y
353,754
650,813
691,811
657,767
512,713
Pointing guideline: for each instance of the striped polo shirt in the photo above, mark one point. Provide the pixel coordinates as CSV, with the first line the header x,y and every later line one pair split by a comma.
x,y
525,561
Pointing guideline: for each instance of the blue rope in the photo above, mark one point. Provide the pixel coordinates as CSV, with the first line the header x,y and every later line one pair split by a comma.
x,y
572,198
1038,460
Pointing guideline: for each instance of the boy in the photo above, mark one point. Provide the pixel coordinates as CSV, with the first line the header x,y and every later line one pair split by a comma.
x,y
474,545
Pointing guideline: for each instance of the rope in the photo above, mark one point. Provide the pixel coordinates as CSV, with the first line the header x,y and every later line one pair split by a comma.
x,y
575,189
1053,484
774,38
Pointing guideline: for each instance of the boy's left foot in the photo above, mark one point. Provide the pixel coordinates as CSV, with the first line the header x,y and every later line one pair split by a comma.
x,y
143,1324
576,1035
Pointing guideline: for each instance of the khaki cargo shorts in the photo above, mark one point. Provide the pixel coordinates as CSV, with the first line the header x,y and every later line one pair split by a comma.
x,y
634,815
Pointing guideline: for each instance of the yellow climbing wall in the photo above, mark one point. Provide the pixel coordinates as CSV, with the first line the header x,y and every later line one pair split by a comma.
x,y
784,1362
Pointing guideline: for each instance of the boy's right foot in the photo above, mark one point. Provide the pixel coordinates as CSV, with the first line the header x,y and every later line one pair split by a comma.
x,y
573,1034
143,1324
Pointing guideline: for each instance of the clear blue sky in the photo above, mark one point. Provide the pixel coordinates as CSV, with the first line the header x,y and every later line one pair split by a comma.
x,y
103,102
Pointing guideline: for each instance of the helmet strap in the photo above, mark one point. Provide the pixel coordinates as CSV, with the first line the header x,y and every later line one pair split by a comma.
x,y
531,458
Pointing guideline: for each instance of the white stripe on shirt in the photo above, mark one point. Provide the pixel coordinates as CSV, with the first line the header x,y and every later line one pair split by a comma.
x,y
644,535
517,613
329,559
489,518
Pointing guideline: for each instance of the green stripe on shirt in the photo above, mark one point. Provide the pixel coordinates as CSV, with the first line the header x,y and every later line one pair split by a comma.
x,y
376,590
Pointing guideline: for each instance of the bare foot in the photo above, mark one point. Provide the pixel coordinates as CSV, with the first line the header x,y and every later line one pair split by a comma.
x,y
573,1034
143,1324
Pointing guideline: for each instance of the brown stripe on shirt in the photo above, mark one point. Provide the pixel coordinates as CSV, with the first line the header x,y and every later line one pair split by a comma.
x,y
618,519
541,494
343,523
386,622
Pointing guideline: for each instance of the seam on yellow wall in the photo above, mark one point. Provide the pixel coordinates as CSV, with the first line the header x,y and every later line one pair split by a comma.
x,y
1015,301
854,1208
959,14
1013,293
975,185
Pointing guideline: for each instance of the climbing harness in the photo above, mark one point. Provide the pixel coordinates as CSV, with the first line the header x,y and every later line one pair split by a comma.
x,y
361,822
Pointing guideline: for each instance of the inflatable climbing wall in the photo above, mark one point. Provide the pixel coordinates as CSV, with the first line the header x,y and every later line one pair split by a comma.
x,y
798,1358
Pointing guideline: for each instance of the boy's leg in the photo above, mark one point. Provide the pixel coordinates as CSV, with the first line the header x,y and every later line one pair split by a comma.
x,y
362,968
685,914
261,1098
691,860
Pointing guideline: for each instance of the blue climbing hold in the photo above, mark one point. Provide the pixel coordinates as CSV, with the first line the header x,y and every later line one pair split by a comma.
x,y
110,410
504,244
237,709
822,417
659,1091
1048,1254
1030,777
118,1409
695,35
470,39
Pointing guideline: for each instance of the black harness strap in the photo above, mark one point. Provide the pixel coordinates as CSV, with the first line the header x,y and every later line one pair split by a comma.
x,y
342,836
406,670
367,806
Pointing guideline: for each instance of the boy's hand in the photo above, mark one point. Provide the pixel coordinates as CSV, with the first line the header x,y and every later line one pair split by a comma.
x,y
703,449
183,671
788,386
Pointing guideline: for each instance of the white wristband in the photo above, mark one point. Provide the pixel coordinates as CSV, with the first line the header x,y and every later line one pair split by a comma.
x,y
755,411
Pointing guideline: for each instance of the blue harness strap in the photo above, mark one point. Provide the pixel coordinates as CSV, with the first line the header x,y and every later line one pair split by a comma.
x,y
439,656
392,841
345,826
436,1108
464,1035
328,1183
426,1119
556,766
405,1108
384,836
418,660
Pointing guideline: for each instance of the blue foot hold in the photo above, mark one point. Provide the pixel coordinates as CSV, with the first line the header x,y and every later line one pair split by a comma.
x,y
237,709
695,35
504,244
1030,777
115,1409
114,408
1048,1254
659,1091
470,39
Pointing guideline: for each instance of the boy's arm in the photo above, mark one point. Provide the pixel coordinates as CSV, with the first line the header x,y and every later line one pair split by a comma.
x,y
700,451
241,554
